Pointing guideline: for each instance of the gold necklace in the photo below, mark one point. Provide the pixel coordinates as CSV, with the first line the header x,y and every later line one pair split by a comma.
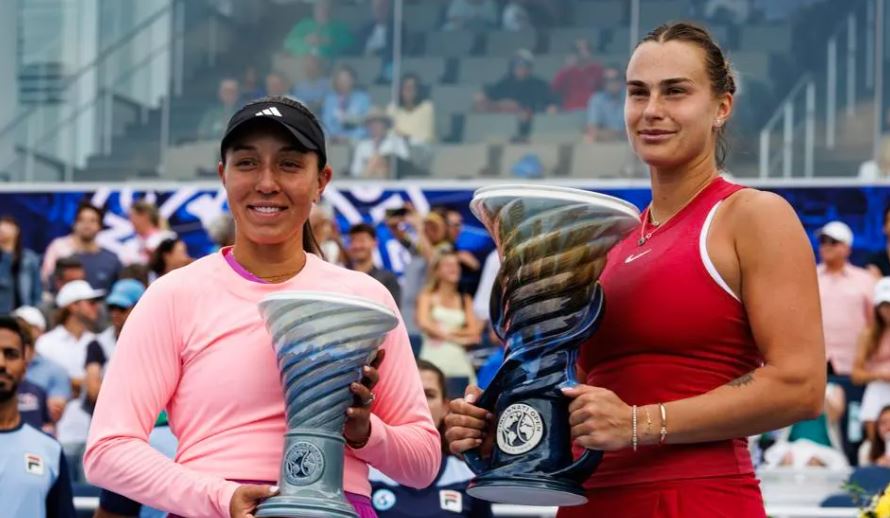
x,y
647,216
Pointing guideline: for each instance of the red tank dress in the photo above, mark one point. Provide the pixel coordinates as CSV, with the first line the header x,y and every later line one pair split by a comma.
x,y
672,329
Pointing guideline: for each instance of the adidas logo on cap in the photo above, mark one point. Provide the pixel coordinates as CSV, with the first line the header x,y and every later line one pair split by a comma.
x,y
269,111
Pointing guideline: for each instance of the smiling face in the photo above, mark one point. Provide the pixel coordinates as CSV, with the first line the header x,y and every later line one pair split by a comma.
x,y
671,111
12,363
270,185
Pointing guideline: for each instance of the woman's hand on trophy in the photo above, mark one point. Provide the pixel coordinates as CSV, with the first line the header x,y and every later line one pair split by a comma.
x,y
468,426
247,497
600,420
357,430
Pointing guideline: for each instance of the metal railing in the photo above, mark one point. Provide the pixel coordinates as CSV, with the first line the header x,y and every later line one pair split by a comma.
x,y
787,112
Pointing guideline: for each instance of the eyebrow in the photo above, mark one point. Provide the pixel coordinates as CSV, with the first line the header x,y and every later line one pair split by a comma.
x,y
248,147
667,82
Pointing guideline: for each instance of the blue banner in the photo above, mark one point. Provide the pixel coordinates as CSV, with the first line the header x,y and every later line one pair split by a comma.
x,y
46,214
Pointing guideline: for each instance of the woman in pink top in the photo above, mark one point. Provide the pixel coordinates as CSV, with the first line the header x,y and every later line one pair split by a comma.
x,y
196,345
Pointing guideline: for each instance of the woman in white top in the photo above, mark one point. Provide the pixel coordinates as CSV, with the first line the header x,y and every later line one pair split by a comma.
x,y
414,117
446,318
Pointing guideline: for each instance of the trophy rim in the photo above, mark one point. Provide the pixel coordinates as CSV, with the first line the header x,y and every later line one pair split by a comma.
x,y
324,296
519,190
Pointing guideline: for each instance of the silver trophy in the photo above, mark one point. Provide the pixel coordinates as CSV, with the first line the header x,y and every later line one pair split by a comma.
x,y
545,302
322,341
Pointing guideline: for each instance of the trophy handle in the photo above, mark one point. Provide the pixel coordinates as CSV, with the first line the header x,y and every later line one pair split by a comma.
x,y
581,469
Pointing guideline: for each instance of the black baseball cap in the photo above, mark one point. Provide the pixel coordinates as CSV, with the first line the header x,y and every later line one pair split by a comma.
x,y
297,121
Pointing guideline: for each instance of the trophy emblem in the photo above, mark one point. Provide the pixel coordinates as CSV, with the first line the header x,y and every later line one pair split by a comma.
x,y
545,302
322,341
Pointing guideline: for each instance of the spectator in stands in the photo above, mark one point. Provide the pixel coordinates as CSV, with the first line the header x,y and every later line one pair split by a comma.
x,y
871,366
322,33
519,91
445,316
432,237
67,269
149,231
327,234
478,15
814,443
313,84
250,85
415,116
43,372
20,283
276,84
874,450
67,345
879,263
579,79
378,37
101,266
391,500
345,108
33,402
376,155
124,295
516,17
879,169
213,123
846,292
171,254
33,469
136,271
731,12
362,245
605,110
470,265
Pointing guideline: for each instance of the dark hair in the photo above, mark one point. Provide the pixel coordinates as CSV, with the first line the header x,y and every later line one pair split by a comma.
x,y
147,209
886,214
66,263
29,342
89,206
363,228
135,271
158,262
11,324
717,66
424,365
309,242
421,89
878,446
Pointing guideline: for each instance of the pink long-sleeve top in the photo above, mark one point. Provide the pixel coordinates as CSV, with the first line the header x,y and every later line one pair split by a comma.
x,y
196,345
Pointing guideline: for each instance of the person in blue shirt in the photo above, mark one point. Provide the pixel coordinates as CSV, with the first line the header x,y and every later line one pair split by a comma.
x,y
344,108
33,471
447,496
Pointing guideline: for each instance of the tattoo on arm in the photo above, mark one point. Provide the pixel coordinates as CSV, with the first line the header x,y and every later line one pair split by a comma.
x,y
743,380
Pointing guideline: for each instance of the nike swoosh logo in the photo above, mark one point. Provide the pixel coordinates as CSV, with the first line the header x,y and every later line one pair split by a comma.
x,y
633,257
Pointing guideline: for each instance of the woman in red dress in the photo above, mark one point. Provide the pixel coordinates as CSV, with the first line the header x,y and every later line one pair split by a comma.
x,y
711,332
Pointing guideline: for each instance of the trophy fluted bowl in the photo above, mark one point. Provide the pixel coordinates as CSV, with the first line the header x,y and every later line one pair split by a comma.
x,y
322,340
546,300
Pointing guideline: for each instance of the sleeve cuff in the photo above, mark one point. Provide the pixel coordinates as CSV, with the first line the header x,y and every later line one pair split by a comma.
x,y
226,493
377,438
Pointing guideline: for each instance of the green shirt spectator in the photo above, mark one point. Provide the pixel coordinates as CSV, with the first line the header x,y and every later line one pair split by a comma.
x,y
329,38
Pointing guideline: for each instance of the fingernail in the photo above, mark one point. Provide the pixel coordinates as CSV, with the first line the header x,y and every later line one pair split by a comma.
x,y
478,441
471,398
489,416
367,369
273,489
566,389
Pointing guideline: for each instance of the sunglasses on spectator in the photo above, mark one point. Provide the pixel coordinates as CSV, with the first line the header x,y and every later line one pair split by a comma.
x,y
829,241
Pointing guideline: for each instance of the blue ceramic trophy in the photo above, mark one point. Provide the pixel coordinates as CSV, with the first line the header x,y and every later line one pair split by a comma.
x,y
545,302
322,341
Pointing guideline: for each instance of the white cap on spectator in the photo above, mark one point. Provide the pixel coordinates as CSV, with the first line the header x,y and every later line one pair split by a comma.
x,y
882,291
839,231
32,316
76,291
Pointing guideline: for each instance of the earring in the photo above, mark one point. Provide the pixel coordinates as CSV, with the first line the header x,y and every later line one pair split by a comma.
x,y
718,123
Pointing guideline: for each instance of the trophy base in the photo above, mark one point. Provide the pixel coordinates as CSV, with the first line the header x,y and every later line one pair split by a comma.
x,y
297,507
527,491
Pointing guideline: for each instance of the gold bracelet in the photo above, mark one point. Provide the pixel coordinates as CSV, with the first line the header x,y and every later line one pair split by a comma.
x,y
648,422
664,428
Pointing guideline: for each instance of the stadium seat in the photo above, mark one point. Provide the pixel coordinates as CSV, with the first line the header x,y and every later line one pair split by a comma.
x,y
482,70
601,15
189,161
656,12
453,98
460,161
423,16
562,41
558,127
381,94
431,69
367,68
340,158
599,160
549,155
490,127
450,44
766,38
506,43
